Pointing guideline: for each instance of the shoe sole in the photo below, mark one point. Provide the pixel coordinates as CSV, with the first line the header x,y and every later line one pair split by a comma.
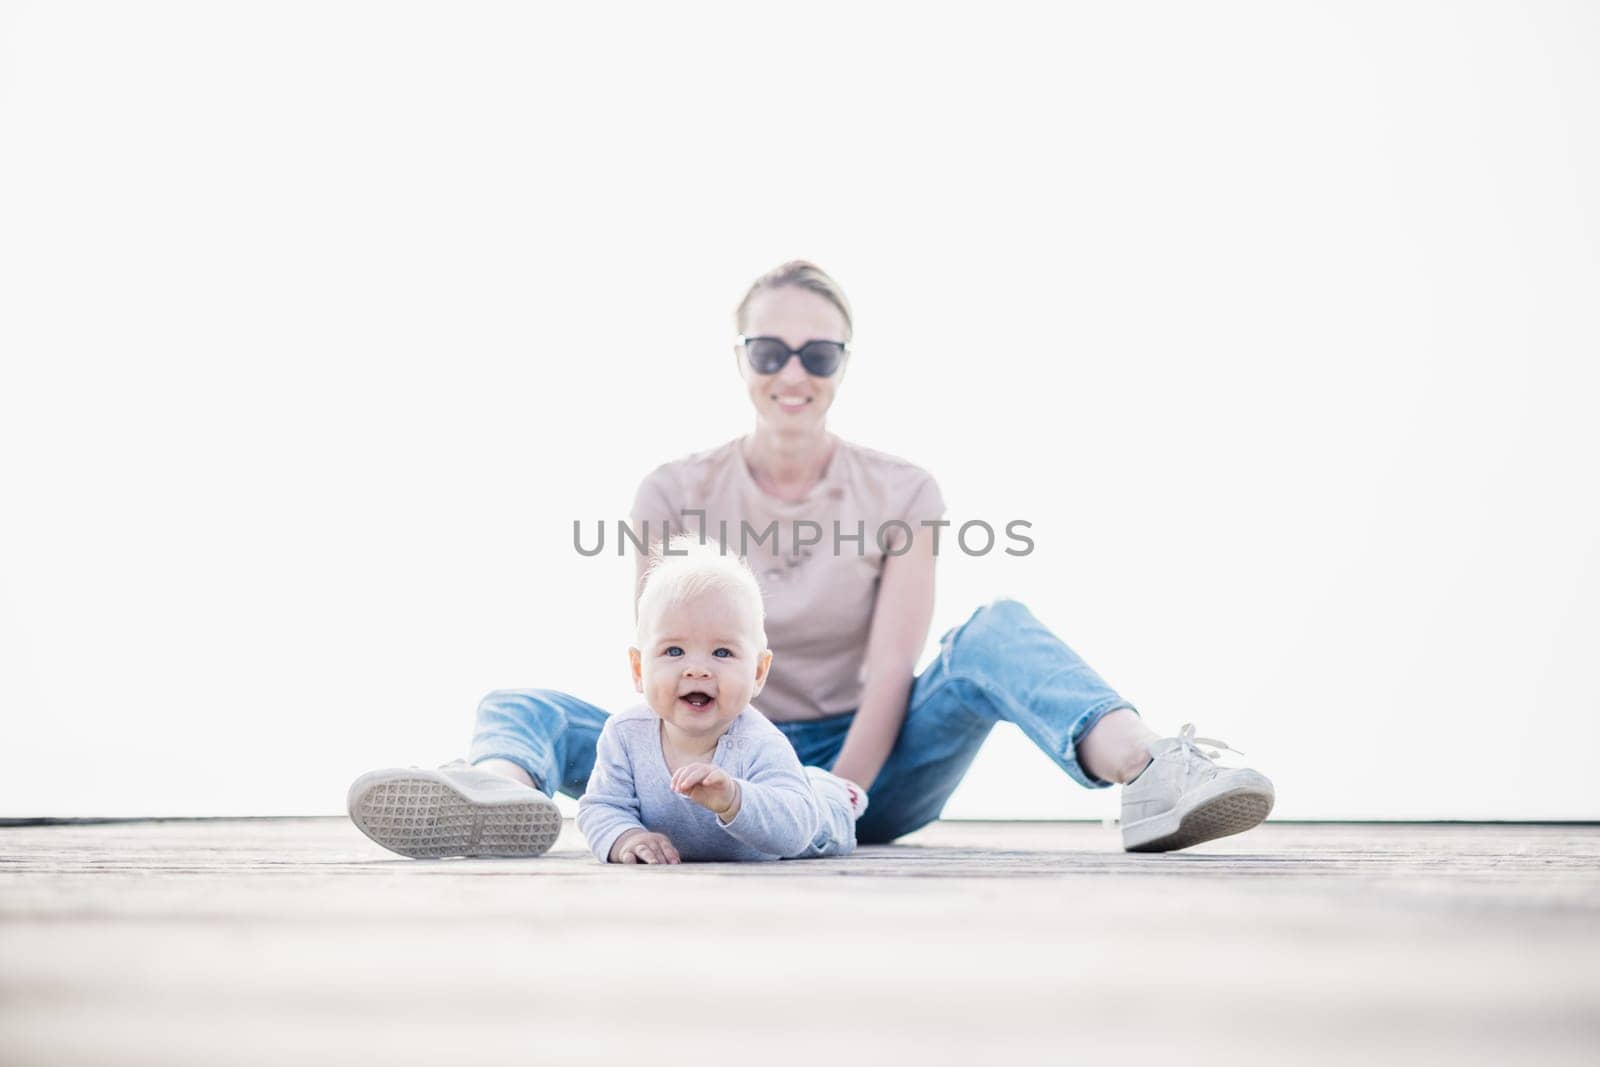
x,y
421,814
1232,809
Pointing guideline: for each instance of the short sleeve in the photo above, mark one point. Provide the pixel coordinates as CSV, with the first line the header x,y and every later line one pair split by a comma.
x,y
924,504
926,501
654,503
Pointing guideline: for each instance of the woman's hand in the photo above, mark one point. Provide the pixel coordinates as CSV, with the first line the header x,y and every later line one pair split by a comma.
x,y
644,846
709,786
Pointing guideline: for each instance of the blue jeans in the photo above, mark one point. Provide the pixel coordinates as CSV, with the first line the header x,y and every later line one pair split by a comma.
x,y
999,665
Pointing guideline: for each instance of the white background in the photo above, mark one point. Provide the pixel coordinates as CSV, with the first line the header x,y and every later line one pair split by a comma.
x,y
321,323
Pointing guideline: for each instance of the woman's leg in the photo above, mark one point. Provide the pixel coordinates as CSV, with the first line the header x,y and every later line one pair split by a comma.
x,y
817,741
1002,664
533,737
506,769
546,735
1116,748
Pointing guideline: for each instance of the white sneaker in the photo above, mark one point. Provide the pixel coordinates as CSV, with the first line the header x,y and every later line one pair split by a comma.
x,y
456,810
1182,798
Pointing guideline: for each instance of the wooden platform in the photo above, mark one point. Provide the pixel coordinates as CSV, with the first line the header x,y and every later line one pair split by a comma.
x,y
299,942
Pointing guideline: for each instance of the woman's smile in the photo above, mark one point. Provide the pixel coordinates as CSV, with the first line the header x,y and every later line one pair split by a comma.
x,y
792,400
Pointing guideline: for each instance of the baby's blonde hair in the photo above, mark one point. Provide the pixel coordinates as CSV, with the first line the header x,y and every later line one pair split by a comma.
x,y
690,569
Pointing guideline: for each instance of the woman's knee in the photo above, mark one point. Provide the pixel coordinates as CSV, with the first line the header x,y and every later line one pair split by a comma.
x,y
519,696
991,625
522,704
1001,613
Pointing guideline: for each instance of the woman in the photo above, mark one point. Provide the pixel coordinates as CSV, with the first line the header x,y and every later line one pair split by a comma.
x,y
843,540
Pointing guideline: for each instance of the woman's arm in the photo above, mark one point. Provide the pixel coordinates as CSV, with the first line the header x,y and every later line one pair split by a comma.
x,y
900,622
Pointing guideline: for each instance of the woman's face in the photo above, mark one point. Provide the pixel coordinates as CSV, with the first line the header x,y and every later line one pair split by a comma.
x,y
791,399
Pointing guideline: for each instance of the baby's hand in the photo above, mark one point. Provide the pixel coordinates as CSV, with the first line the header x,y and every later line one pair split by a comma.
x,y
709,786
643,846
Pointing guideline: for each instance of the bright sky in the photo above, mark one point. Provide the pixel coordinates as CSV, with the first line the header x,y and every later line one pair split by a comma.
x,y
320,323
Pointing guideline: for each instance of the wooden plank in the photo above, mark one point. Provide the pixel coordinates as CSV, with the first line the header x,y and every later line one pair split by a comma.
x,y
299,940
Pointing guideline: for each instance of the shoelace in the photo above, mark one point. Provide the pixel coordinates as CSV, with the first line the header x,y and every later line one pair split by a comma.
x,y
1188,742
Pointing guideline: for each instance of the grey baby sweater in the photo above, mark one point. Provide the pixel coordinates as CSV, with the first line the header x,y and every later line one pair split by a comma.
x,y
630,788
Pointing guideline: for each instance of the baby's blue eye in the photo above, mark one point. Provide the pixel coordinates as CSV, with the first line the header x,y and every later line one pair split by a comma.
x,y
723,652
674,650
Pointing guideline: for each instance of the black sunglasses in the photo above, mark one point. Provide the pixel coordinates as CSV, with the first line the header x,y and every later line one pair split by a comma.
x,y
767,355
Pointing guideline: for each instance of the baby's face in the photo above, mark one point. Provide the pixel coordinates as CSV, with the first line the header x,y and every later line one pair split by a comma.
x,y
700,664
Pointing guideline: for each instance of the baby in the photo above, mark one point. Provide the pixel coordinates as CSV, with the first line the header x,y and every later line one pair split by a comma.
x,y
699,774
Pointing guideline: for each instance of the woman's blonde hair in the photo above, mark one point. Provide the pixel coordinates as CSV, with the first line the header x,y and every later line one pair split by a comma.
x,y
691,569
798,274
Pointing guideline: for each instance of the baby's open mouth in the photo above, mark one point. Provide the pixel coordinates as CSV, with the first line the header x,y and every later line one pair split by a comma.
x,y
697,698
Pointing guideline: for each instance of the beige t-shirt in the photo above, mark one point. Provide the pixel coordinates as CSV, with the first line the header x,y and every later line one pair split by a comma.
x,y
819,597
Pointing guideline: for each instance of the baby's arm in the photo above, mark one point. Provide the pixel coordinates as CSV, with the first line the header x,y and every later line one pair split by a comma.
x,y
608,811
772,809
644,846
709,786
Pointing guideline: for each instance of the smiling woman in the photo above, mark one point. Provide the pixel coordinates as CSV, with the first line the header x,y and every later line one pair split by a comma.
x,y
845,628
